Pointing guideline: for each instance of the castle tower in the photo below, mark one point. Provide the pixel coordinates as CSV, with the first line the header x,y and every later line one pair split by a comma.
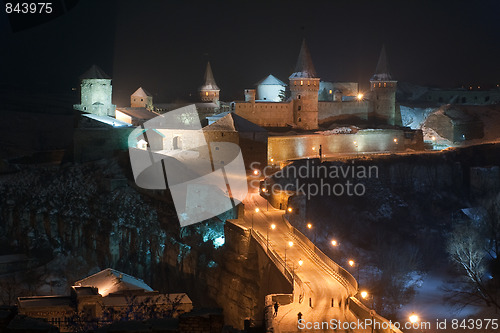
x,y
304,87
96,92
383,93
141,99
209,91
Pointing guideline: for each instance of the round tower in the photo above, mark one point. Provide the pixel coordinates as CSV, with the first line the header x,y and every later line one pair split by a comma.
x,y
209,91
304,87
383,93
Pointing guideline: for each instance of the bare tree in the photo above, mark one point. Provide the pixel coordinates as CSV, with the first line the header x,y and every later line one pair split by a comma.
x,y
467,248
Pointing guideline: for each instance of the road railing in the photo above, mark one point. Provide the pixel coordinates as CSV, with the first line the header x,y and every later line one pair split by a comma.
x,y
380,324
341,274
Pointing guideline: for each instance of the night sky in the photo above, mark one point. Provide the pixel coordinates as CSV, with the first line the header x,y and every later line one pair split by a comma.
x,y
163,46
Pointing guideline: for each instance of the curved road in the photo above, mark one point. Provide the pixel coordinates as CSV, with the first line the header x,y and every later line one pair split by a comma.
x,y
321,289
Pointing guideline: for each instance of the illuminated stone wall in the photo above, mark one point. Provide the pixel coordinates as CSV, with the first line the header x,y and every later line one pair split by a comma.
x,y
96,97
267,114
283,148
269,92
329,111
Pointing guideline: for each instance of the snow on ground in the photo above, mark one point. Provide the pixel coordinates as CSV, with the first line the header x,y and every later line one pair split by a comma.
x,y
414,117
429,302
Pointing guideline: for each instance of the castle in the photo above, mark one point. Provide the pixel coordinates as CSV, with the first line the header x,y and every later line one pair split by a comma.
x,y
314,108
314,102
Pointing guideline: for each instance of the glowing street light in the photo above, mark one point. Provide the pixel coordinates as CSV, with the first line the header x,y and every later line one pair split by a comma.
x,y
364,294
289,209
413,318
395,140
360,97
334,242
300,262
256,211
290,243
256,172
272,226
309,226
352,264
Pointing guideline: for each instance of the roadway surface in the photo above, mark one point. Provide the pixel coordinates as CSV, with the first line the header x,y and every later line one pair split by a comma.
x,y
320,289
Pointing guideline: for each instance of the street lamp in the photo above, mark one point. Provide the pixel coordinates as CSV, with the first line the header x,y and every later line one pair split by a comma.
x,y
352,264
289,209
273,226
364,295
413,318
300,262
290,243
334,242
309,225
256,211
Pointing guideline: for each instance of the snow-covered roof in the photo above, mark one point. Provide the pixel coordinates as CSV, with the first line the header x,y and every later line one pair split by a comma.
x,y
270,80
209,80
233,122
107,120
304,68
138,112
95,72
141,93
111,281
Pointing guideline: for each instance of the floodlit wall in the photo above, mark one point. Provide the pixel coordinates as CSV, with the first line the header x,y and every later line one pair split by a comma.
x,y
328,111
269,92
96,97
123,117
283,148
268,114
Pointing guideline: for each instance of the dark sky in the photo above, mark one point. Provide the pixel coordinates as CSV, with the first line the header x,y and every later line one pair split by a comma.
x,y
163,46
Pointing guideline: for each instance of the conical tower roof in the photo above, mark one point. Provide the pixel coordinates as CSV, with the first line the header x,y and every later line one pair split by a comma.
x,y
209,80
304,67
382,70
95,72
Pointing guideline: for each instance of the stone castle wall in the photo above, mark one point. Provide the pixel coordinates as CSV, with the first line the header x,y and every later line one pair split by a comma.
x,y
329,111
283,148
268,114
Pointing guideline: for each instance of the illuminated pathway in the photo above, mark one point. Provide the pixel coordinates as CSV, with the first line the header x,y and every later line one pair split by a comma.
x,y
319,284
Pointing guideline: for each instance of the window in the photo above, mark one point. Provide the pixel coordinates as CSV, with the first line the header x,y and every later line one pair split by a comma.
x,y
308,83
298,96
301,82
330,92
142,100
379,84
487,98
300,119
206,93
300,107
385,84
